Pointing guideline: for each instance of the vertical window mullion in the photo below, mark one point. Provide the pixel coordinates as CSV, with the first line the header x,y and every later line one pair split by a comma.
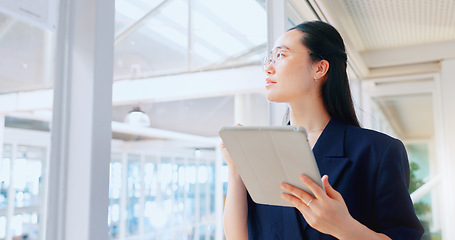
x,y
123,196
11,194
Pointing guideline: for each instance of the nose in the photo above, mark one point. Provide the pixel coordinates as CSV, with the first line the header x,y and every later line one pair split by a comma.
x,y
269,69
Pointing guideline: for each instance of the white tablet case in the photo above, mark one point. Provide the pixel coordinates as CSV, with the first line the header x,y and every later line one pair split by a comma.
x,y
268,156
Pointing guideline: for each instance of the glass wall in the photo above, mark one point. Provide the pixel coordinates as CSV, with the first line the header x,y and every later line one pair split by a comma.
x,y
423,172
166,195
154,194
27,64
27,54
157,193
23,184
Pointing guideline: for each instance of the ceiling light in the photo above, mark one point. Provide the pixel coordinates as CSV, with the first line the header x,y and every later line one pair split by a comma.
x,y
137,117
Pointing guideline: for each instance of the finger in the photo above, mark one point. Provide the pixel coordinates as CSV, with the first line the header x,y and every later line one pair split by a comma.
x,y
297,192
297,202
330,191
226,156
317,191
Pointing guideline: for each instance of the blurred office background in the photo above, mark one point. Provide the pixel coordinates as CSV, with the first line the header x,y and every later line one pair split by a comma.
x,y
110,110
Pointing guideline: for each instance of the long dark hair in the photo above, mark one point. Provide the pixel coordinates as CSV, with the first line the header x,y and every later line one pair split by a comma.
x,y
324,42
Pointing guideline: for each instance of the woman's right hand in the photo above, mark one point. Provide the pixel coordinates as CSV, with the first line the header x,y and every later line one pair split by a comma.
x,y
226,155
236,207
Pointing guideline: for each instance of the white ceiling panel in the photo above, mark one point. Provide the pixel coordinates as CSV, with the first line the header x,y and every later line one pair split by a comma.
x,y
391,23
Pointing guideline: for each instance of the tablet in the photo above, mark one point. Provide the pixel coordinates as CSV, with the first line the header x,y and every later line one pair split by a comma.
x,y
267,156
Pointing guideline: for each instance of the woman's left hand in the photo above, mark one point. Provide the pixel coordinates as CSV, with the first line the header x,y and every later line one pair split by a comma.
x,y
326,212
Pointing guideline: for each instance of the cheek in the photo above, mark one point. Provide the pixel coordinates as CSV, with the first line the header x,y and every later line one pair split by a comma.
x,y
298,70
298,81
294,80
289,88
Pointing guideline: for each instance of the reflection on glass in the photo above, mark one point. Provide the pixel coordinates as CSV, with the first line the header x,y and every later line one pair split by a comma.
x,y
115,185
150,191
133,194
165,199
25,226
172,196
27,175
424,210
5,166
419,158
420,173
2,227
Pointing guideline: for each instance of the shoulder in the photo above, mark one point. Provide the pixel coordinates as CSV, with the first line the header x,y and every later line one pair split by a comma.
x,y
375,146
370,138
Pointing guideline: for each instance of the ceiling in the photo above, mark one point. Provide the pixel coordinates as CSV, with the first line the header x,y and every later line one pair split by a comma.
x,y
389,24
23,55
400,109
388,40
386,34
153,42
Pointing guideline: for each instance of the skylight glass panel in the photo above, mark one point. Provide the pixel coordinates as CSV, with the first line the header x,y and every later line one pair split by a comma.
x,y
232,27
129,11
168,38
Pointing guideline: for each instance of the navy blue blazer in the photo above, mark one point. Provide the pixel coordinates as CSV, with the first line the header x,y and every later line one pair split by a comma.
x,y
369,169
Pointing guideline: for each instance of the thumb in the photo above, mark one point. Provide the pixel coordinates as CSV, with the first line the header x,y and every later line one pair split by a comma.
x,y
332,193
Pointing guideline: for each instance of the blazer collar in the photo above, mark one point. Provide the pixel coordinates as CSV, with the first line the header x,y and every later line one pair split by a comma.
x,y
329,151
331,141
329,154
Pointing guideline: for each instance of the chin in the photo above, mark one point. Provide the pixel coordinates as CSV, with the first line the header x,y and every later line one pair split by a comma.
x,y
278,98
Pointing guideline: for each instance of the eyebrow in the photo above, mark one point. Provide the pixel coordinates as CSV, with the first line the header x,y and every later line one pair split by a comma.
x,y
280,47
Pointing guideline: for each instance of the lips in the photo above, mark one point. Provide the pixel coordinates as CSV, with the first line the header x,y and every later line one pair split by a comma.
x,y
269,82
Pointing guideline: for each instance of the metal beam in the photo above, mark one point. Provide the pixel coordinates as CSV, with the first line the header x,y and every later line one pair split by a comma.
x,y
124,33
404,55
225,62
426,189
403,70
400,86
158,89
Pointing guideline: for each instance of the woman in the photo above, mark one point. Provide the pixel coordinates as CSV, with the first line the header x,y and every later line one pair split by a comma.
x,y
365,173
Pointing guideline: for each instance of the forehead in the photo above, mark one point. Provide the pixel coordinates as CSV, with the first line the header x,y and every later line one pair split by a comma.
x,y
290,40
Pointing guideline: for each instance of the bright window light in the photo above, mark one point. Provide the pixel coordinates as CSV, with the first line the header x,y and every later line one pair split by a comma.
x,y
158,216
202,176
17,225
2,227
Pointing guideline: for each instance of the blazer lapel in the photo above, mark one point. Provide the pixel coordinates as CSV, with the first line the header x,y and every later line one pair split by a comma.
x,y
333,167
329,153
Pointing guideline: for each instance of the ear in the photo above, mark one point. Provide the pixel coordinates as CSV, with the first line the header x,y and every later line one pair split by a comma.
x,y
322,67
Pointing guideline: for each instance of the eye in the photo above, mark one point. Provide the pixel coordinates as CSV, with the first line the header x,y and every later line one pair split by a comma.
x,y
279,54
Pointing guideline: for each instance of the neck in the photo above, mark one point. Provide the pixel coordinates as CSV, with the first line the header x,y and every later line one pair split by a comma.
x,y
312,115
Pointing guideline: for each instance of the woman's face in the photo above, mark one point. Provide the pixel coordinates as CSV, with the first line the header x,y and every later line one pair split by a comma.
x,y
291,76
